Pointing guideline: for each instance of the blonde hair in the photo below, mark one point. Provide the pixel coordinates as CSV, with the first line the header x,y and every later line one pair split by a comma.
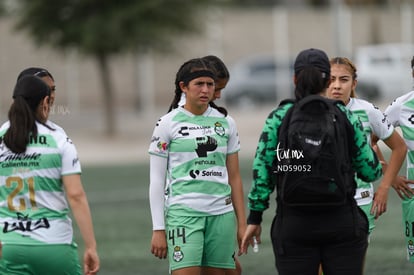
x,y
351,68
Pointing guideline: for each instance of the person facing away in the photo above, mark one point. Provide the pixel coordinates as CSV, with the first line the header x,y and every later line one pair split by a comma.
x,y
335,237
47,77
40,182
196,193
222,78
400,114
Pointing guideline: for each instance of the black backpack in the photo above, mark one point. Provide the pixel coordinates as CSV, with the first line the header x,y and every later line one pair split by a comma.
x,y
313,156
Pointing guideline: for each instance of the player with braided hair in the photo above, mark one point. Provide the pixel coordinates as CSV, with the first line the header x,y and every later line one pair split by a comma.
x,y
195,148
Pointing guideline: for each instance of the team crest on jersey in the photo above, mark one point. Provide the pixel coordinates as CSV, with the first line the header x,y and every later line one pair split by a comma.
x,y
178,255
219,129
410,248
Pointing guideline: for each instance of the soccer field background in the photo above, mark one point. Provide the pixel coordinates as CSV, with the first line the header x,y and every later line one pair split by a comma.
x,y
118,197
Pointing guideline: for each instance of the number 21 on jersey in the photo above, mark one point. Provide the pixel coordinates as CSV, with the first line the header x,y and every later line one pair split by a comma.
x,y
19,185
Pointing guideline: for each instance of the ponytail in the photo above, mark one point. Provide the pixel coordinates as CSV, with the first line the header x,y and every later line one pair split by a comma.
x,y
28,94
176,99
22,124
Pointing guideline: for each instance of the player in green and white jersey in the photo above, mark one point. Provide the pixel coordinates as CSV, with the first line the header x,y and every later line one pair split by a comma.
x,y
342,87
39,181
222,78
374,122
195,185
401,114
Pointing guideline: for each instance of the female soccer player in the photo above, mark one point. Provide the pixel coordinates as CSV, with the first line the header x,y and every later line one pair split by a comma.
x,y
40,183
195,148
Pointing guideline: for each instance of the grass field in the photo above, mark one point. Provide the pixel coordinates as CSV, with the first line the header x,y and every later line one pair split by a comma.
x,y
118,197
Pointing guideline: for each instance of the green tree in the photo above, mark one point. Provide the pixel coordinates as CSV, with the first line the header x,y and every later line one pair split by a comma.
x,y
103,28
3,10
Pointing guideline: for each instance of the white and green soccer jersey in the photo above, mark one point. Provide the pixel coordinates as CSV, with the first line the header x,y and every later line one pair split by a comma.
x,y
196,148
33,206
373,121
401,113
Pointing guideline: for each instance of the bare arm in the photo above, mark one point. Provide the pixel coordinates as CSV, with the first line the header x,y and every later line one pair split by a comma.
x,y
81,212
399,183
398,152
237,194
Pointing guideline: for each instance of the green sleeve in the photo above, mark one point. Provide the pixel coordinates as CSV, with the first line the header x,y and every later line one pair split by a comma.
x,y
263,183
364,160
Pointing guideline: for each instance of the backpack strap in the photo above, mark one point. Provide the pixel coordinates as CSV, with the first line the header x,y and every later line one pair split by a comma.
x,y
349,130
349,133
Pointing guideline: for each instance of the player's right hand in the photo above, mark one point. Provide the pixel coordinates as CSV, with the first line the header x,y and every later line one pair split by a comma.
x,y
159,244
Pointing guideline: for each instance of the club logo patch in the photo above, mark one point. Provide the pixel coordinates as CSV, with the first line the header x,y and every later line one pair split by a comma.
x,y
410,248
219,129
178,254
